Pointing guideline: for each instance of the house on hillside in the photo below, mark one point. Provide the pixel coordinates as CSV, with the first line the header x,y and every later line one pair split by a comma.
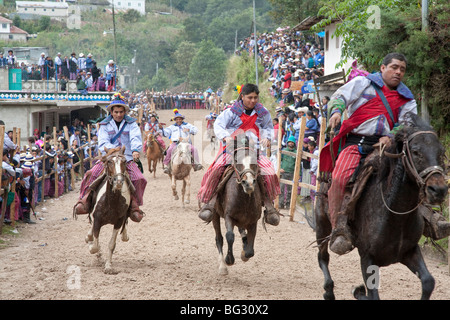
x,y
9,32
55,10
138,5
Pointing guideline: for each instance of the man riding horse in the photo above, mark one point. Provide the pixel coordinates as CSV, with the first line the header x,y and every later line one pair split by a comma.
x,y
179,130
116,130
152,127
375,105
246,115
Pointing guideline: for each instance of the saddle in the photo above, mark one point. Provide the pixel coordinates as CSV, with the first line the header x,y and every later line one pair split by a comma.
x,y
357,183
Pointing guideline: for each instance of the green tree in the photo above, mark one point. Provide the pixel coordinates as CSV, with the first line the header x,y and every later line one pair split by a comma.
x,y
292,12
208,67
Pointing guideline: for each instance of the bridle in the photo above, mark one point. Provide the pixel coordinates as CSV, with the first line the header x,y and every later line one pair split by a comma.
x,y
240,174
421,178
114,178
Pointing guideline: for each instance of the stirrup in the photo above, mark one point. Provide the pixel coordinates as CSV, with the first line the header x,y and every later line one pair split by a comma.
x,y
340,241
205,216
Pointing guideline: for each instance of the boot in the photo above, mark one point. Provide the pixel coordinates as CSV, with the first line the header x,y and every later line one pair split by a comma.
x,y
26,217
83,206
206,213
436,226
340,241
271,215
197,166
166,169
136,214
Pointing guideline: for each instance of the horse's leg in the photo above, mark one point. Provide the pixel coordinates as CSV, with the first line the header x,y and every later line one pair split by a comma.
x,y
370,272
323,229
174,188
154,161
416,264
125,237
248,242
94,246
111,246
187,184
219,243
229,259
183,192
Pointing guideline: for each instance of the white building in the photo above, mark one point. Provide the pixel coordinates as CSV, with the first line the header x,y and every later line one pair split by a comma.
x,y
138,5
55,10
8,32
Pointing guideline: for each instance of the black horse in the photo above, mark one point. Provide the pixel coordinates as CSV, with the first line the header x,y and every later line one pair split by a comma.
x,y
239,203
386,222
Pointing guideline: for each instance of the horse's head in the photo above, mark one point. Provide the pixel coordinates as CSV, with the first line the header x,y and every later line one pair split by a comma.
x,y
182,153
115,165
245,163
423,158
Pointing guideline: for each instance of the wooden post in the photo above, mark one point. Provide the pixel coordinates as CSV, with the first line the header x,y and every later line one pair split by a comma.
x,y
12,208
55,163
298,164
89,145
66,135
280,136
44,155
2,191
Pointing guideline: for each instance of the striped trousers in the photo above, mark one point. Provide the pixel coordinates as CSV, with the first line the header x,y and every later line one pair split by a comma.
x,y
136,176
212,177
346,164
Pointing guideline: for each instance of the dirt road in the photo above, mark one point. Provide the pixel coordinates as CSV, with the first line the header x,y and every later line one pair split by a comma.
x,y
171,255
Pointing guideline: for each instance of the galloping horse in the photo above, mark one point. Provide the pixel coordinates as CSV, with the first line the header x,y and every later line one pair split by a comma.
x,y
112,201
181,170
154,153
239,203
386,221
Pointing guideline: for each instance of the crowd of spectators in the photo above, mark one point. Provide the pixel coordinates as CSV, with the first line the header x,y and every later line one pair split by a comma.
x,y
45,154
83,69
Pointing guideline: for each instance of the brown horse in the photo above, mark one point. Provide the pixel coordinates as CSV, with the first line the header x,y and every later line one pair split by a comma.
x,y
112,201
154,153
386,220
239,203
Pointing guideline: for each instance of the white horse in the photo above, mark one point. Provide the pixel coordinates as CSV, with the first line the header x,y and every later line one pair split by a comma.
x,y
181,166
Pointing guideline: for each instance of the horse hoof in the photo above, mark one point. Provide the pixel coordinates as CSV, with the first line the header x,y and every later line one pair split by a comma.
x,y
223,271
359,292
246,257
93,250
176,198
243,257
187,201
109,270
125,239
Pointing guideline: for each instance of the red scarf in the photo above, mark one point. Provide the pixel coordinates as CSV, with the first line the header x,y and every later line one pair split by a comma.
x,y
369,110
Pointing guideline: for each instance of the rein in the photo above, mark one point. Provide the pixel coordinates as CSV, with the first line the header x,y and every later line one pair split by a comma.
x,y
420,177
240,174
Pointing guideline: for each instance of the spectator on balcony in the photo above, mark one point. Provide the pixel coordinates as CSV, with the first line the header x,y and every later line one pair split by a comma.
x,y
58,65
3,61
81,62
89,62
11,59
111,70
81,85
73,63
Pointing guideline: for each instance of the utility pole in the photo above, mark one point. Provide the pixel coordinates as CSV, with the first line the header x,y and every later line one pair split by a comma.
x,y
114,34
256,45
424,102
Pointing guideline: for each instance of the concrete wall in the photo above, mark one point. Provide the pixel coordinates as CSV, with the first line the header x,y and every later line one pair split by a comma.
x,y
4,79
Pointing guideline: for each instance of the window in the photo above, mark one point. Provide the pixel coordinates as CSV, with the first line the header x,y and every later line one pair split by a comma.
x,y
4,26
129,4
